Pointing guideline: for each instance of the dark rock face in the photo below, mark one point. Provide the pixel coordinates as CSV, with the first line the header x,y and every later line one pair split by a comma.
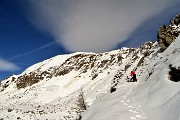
x,y
168,33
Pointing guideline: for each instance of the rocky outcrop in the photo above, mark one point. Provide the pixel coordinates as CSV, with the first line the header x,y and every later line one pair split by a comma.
x,y
175,21
168,33
81,63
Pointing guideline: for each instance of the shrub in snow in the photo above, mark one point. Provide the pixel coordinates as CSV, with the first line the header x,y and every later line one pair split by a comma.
x,y
10,110
81,102
113,89
174,74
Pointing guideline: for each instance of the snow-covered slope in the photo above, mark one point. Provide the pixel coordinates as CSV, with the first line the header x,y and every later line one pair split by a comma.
x,y
90,86
77,86
63,87
155,97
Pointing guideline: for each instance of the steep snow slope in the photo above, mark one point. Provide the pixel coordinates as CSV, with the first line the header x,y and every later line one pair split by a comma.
x,y
63,87
154,97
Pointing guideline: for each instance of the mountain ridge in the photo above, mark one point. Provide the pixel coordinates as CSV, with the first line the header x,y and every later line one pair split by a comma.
x,y
63,64
62,78
85,86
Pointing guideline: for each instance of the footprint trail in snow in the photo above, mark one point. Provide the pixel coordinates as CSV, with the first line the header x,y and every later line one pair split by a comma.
x,y
135,111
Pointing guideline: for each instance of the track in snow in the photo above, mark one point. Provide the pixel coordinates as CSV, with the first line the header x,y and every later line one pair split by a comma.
x,y
135,111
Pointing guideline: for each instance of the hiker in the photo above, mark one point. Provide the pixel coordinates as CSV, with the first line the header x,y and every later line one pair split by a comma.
x,y
133,76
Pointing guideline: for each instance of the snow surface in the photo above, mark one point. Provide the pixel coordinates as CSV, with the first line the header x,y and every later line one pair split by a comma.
x,y
153,97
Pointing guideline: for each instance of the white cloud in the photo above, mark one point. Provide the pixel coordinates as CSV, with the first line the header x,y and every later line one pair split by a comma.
x,y
7,66
93,25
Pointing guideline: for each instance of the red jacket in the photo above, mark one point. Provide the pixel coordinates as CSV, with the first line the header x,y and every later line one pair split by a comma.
x,y
132,73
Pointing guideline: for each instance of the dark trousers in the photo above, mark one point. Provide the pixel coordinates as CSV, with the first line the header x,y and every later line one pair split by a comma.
x,y
134,78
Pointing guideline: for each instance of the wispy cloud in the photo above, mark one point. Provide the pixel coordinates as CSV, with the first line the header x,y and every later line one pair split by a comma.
x,y
93,25
33,51
7,65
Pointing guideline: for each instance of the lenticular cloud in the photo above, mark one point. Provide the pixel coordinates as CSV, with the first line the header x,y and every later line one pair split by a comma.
x,y
93,25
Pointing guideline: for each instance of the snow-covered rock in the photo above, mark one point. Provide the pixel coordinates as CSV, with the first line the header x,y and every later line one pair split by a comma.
x,y
154,97
78,86
62,87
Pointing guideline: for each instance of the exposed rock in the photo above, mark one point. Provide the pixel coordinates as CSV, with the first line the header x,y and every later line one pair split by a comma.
x,y
175,21
81,63
168,33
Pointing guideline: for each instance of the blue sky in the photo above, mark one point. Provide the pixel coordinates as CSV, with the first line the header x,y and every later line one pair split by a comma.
x,y
22,44
32,31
